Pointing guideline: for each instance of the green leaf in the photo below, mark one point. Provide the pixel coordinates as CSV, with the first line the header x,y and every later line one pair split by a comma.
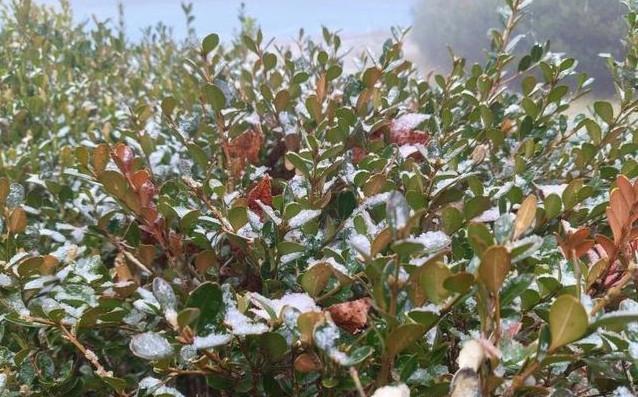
x,y
494,267
270,60
615,320
168,105
402,337
476,206
208,299
605,111
238,217
358,356
214,96
333,72
407,247
452,219
567,321
299,163
432,276
459,282
281,100
274,345
480,237
209,43
315,279
553,205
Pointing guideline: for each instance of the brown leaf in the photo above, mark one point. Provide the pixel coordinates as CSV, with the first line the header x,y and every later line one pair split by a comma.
x,y
525,216
351,316
17,220
307,362
244,149
262,191
100,158
122,271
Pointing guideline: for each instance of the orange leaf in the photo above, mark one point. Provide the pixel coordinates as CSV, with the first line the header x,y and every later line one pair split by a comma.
x,y
607,244
614,223
123,156
626,189
140,177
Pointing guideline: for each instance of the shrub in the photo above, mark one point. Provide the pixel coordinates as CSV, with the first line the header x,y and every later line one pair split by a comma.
x,y
569,25
202,218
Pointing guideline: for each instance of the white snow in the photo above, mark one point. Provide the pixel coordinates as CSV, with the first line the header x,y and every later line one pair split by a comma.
x,y
303,217
211,340
489,215
552,189
433,241
330,261
239,323
409,121
300,301
400,390
361,244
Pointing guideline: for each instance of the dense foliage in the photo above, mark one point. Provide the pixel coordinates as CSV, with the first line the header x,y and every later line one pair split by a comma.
x,y
237,218
584,29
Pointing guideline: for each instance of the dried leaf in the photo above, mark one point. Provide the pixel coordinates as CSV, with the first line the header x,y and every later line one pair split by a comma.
x,y
262,191
525,216
351,316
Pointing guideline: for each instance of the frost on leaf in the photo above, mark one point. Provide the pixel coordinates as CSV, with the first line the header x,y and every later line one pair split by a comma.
x,y
150,346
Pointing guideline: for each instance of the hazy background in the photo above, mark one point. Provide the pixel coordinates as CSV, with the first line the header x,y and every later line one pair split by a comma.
x,y
581,28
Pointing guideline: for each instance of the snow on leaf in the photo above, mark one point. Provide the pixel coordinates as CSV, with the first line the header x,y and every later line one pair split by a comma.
x,y
15,196
303,217
150,346
361,244
325,338
164,293
211,340
401,390
489,215
300,301
433,241
397,210
239,323
157,388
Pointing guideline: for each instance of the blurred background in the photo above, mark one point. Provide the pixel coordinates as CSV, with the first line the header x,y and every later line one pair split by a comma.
x,y
583,29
